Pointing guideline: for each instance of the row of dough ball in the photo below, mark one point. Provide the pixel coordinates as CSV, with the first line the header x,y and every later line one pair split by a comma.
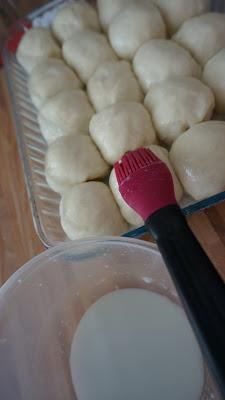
x,y
175,103
153,54
133,23
191,35
174,12
130,24
173,60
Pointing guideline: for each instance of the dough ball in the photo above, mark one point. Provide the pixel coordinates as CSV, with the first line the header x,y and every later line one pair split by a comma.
x,y
71,160
49,78
120,128
178,103
36,45
89,209
198,158
85,51
127,212
214,76
203,36
163,155
113,82
160,59
133,26
108,9
175,12
68,112
77,16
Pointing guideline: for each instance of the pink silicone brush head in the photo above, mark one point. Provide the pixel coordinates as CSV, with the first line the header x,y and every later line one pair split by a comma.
x,y
145,182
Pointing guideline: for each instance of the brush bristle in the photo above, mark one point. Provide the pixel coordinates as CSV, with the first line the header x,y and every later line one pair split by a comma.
x,y
132,161
145,182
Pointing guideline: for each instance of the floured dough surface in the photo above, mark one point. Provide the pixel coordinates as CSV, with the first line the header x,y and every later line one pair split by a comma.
x,y
128,213
178,103
133,26
163,155
68,112
108,9
214,76
71,160
160,59
86,51
120,128
136,344
175,12
113,82
89,209
203,36
198,158
76,16
36,45
49,78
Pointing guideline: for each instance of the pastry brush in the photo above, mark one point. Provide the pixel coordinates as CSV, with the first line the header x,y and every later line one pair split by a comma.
x,y
146,185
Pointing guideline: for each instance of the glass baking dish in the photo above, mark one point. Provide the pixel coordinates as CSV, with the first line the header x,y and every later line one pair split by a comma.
x,y
32,147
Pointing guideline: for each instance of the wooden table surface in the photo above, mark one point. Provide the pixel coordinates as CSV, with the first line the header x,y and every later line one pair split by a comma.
x,y
18,240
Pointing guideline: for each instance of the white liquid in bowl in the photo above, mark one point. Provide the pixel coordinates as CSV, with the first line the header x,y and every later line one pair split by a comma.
x,y
133,344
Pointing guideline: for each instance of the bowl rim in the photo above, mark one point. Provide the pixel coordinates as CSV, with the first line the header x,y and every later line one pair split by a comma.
x,y
61,249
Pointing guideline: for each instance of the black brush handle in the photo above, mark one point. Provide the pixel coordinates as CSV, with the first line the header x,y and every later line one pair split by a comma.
x,y
200,287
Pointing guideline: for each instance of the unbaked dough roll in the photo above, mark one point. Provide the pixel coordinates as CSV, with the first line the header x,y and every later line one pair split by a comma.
x,y
178,103
89,209
198,158
160,59
120,128
163,155
113,82
71,160
49,78
128,213
68,112
133,26
74,17
203,36
175,12
108,9
85,51
214,76
36,45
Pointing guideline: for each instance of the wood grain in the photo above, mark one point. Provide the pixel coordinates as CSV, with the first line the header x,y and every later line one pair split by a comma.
x,y
18,240
209,228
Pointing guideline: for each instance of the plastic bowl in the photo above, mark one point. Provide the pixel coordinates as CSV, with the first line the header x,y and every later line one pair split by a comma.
x,y
42,303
